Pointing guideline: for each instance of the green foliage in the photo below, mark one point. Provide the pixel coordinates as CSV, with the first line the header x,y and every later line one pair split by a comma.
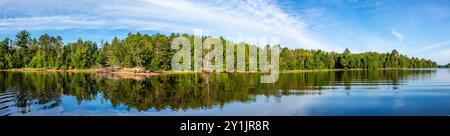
x,y
37,61
4,49
153,52
23,39
83,54
299,59
344,60
102,57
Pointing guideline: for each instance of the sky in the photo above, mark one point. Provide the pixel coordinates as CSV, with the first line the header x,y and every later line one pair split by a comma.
x,y
419,28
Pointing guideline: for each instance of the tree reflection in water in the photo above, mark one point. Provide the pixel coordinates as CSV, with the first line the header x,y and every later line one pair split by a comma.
x,y
182,91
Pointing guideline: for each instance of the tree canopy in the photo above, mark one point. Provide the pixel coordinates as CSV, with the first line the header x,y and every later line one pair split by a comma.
x,y
154,52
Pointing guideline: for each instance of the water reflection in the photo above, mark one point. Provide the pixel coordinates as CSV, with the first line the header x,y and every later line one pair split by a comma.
x,y
24,92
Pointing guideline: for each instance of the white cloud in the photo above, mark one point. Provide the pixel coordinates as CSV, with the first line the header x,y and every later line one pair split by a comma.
x,y
219,18
48,22
397,34
431,46
435,51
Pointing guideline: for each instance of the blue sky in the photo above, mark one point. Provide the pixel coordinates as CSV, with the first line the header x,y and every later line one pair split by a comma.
x,y
415,27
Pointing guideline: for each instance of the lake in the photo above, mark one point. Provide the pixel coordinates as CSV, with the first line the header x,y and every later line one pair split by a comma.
x,y
359,92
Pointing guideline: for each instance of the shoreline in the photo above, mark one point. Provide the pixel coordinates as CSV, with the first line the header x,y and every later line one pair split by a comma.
x,y
122,71
140,71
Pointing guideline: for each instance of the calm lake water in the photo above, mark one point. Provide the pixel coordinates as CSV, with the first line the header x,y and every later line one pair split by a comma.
x,y
373,92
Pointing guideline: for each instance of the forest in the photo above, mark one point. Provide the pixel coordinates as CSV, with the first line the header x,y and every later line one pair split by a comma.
x,y
154,53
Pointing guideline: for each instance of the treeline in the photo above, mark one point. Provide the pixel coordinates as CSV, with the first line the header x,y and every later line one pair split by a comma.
x,y
293,59
447,66
444,66
153,52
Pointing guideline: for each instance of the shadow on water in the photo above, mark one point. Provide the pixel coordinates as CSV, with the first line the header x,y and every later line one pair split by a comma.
x,y
23,92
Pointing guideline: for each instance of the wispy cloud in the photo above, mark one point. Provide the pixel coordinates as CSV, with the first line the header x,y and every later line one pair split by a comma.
x,y
219,18
398,35
437,51
431,46
49,23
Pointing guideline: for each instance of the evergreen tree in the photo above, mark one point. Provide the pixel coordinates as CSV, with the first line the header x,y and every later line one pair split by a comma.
x,y
23,39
